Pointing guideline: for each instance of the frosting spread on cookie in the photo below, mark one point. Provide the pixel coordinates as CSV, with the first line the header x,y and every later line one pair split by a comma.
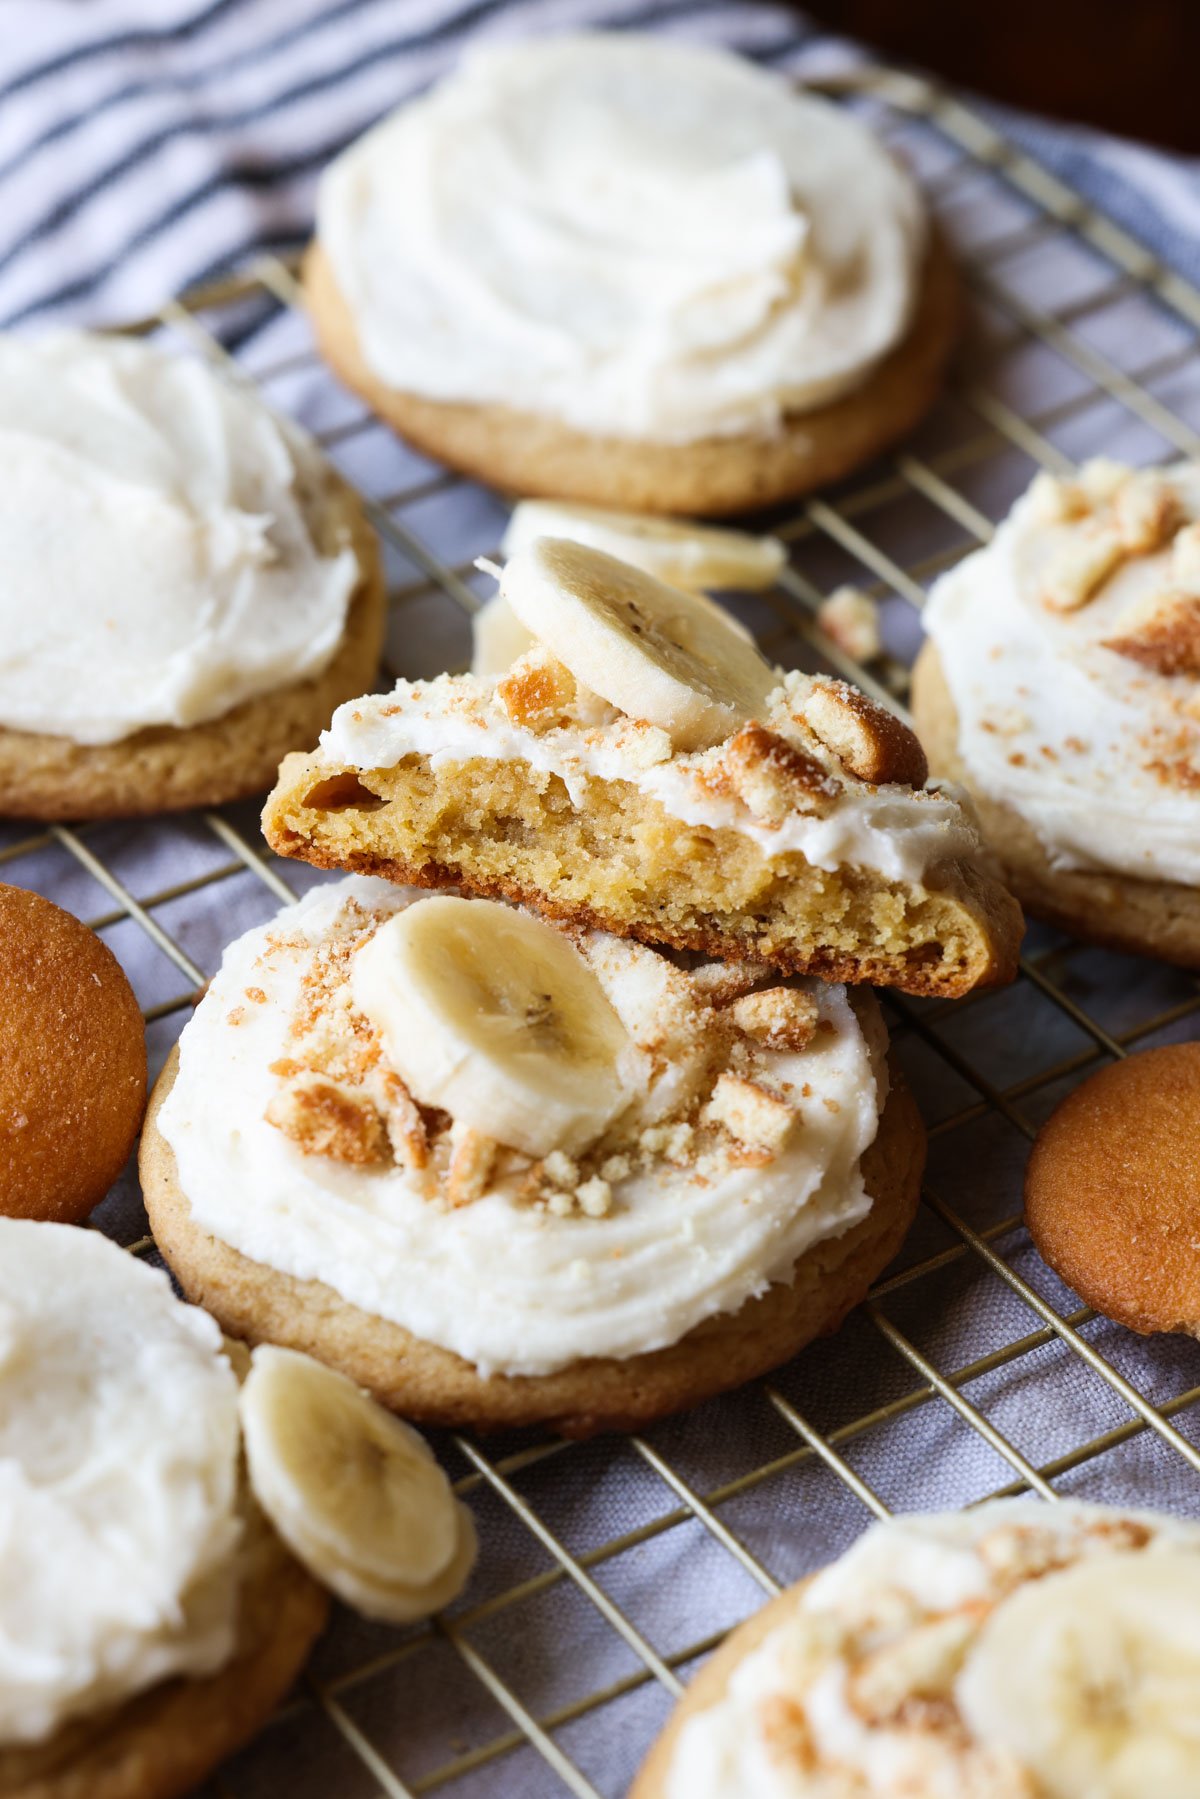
x,y
1071,647
118,1478
869,1686
157,532
296,1144
639,238
899,831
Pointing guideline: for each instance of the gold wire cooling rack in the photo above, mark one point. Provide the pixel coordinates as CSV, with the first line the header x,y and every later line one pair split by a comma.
x,y
608,1569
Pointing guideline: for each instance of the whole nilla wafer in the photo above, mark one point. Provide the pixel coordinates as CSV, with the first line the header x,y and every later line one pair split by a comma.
x,y
72,1062
1112,1190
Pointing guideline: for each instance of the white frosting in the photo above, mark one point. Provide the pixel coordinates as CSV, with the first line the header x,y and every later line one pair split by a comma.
x,y
158,563
897,831
637,237
506,1284
1060,728
118,1477
896,1574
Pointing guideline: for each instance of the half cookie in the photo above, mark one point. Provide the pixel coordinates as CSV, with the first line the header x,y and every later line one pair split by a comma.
x,y
645,770
503,1174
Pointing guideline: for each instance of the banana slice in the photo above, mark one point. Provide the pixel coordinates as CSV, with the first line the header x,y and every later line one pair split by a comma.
x,y
353,1492
676,551
1089,1678
496,1018
653,651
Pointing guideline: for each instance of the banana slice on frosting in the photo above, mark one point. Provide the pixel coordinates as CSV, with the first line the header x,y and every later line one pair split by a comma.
x,y
496,1018
1089,1676
653,651
355,1493
674,550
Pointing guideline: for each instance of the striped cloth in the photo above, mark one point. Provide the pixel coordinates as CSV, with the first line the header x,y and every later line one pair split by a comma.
x,y
145,147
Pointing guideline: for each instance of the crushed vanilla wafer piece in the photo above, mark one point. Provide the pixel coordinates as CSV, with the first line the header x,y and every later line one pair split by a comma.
x,y
851,618
780,1018
750,1113
538,691
1161,632
324,1118
472,1159
1080,569
771,777
869,741
1146,511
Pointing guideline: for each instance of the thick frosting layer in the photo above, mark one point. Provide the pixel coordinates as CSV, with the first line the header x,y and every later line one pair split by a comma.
x,y
157,534
895,830
118,1477
640,238
854,1695
513,1285
1097,751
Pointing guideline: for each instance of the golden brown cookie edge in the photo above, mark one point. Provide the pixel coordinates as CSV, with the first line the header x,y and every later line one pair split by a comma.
x,y
529,454
1117,911
232,757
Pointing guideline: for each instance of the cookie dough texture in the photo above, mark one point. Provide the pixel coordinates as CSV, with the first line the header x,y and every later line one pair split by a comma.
x,y
164,1741
1112,1189
163,769
1152,918
709,1685
529,453
434,1386
72,1062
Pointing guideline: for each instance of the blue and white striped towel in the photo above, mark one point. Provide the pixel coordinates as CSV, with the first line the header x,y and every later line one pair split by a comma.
x,y
145,147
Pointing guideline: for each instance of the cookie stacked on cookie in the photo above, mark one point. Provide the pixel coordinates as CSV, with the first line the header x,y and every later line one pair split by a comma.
x,y
589,1157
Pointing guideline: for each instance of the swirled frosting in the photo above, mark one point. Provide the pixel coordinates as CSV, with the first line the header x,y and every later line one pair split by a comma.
x,y
118,1481
1097,748
505,1280
157,536
638,238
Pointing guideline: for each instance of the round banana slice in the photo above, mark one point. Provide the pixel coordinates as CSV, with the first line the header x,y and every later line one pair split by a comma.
x,y
678,552
653,651
354,1493
1089,1678
495,1017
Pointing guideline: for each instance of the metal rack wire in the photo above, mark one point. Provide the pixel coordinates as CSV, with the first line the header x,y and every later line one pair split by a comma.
x,y
558,1667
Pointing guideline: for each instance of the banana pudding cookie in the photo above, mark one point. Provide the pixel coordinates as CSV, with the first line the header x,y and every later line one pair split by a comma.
x,y
151,1616
1061,683
619,269
1016,1651
644,769
188,590
503,1173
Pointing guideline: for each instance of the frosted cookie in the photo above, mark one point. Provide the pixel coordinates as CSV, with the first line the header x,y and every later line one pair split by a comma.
x,y
677,551
1112,1187
72,1062
1016,1651
644,769
188,590
501,1174
150,1615
1061,683
618,269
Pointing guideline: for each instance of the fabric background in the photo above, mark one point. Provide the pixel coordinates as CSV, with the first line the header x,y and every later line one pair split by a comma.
x,y
144,146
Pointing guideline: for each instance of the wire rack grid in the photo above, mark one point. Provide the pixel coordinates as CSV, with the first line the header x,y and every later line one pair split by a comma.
x,y
609,1569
